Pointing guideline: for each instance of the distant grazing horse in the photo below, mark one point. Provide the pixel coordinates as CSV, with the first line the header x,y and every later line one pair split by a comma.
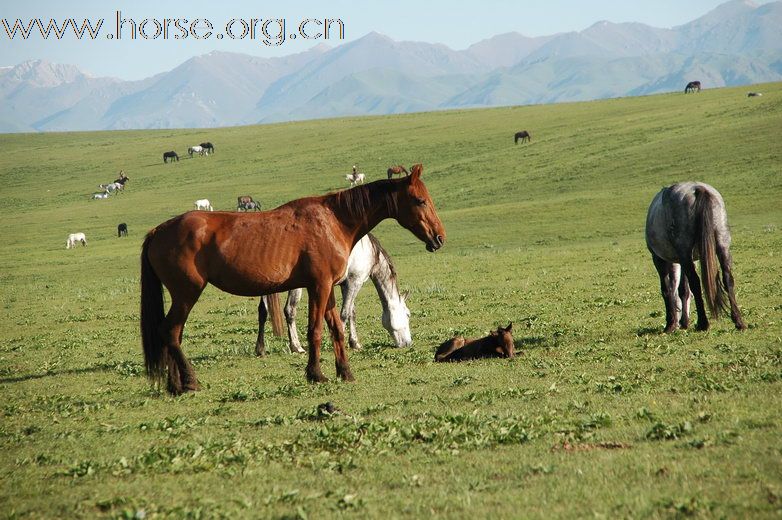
x,y
196,149
246,203
203,204
397,170
112,187
208,147
498,344
73,238
304,243
523,135
122,230
170,155
692,86
367,260
754,94
687,222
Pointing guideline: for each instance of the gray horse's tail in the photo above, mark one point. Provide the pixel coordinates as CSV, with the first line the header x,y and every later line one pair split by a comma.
x,y
707,228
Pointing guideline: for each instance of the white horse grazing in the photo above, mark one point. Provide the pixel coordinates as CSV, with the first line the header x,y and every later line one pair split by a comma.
x,y
104,195
195,149
73,238
368,260
203,204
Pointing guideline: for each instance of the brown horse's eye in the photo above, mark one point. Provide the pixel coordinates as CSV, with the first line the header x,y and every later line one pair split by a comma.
x,y
420,201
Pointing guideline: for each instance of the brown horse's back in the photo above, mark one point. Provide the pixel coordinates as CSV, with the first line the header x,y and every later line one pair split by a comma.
x,y
247,254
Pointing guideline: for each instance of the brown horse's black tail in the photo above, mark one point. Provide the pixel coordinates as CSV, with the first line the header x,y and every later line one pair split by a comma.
x,y
152,316
273,303
710,276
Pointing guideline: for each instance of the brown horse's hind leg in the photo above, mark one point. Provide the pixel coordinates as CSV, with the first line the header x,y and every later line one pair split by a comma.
x,y
336,329
723,254
317,304
668,288
181,376
260,348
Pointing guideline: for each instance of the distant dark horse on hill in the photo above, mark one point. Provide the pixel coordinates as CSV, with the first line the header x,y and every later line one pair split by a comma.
x,y
170,155
687,222
498,343
692,86
523,135
209,147
304,243
397,170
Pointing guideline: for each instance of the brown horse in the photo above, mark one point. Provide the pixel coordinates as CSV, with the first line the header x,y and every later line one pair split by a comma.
x,y
397,170
304,243
499,343
523,135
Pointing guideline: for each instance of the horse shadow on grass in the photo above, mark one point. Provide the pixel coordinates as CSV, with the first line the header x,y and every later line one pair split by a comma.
x,y
131,368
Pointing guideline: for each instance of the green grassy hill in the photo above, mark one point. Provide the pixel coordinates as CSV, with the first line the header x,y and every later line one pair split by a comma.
x,y
599,415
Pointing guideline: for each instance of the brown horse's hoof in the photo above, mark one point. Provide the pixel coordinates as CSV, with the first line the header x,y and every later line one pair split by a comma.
x,y
316,376
741,326
346,375
260,352
670,329
703,327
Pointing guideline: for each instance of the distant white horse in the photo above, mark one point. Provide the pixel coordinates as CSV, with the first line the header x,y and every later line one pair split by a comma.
x,y
197,149
104,195
112,187
355,178
368,260
203,204
74,238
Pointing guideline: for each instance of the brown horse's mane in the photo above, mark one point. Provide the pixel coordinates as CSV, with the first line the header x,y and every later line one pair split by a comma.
x,y
357,203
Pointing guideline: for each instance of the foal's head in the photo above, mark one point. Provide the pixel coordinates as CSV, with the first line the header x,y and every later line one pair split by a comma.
x,y
416,211
504,341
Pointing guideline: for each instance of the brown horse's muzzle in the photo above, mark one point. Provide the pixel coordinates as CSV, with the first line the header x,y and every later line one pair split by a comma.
x,y
435,243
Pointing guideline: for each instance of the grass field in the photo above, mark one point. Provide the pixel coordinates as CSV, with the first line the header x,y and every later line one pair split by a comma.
x,y
600,414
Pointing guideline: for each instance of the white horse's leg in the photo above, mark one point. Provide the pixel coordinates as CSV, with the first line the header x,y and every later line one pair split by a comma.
x,y
349,292
294,296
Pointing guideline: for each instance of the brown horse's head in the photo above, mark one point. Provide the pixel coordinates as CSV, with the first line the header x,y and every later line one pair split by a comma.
x,y
504,346
416,211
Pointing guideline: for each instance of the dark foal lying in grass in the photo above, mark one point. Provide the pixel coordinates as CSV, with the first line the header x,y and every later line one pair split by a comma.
x,y
497,344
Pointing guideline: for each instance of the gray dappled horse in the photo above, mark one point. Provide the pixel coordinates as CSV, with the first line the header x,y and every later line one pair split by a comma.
x,y
688,222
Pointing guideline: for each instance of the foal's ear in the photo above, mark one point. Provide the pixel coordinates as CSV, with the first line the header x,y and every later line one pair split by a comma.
x,y
509,328
416,171
405,296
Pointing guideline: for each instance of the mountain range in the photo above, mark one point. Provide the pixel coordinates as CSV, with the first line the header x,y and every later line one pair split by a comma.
x,y
737,43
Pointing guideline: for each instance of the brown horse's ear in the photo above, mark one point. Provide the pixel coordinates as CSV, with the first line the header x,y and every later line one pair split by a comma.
x,y
416,171
509,328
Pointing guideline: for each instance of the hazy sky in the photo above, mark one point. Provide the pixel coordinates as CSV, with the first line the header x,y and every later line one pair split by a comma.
x,y
455,23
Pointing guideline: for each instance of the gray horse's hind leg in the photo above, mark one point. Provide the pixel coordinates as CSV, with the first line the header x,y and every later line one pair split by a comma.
x,y
668,288
723,254
688,270
291,303
684,298
260,349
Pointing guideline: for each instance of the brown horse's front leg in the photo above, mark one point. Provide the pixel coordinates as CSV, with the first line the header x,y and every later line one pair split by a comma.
x,y
318,297
336,329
